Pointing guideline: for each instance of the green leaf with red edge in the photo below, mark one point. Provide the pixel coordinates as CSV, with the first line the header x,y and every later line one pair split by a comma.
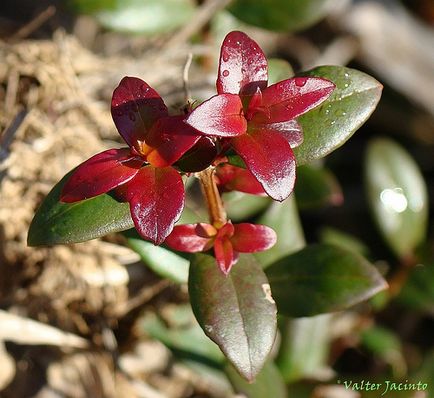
x,y
281,15
322,278
330,125
59,223
317,187
156,197
397,195
221,116
135,107
242,65
235,311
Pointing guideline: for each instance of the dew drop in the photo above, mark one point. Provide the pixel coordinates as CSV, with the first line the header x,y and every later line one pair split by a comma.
x,y
144,88
132,116
225,73
225,57
300,81
347,75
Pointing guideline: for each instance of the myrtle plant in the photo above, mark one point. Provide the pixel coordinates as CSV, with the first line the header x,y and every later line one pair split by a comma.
x,y
250,137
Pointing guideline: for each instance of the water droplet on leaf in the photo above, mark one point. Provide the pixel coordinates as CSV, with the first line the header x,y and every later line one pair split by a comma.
x,y
300,81
225,73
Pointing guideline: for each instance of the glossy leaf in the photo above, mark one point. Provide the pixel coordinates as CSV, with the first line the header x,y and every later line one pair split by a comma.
x,y
290,130
169,139
156,197
291,98
162,261
281,15
221,115
285,221
317,187
330,125
236,311
187,238
397,195
251,238
136,16
135,107
342,239
232,178
199,157
270,159
322,278
268,383
278,70
242,66
100,174
59,223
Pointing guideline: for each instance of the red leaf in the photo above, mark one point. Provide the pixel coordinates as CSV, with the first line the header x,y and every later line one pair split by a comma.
x,y
221,115
156,197
185,239
232,178
291,130
135,108
270,159
199,157
290,98
250,238
243,66
224,254
100,174
168,139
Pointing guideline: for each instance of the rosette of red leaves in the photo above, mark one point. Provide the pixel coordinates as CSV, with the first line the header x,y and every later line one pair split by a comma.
x,y
258,121
142,174
228,240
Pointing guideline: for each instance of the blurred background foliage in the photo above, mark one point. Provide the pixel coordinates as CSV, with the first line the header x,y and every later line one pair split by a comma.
x,y
110,318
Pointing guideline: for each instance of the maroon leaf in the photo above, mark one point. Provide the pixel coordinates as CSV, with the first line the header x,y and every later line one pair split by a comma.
x,y
199,157
135,108
100,174
221,115
242,67
290,129
168,139
270,159
156,197
185,238
290,98
232,178
251,238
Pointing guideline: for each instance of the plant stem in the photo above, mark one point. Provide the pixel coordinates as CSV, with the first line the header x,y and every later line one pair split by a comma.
x,y
216,210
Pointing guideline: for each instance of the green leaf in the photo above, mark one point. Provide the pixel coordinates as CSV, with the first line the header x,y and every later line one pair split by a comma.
x,y
278,69
322,278
316,187
187,340
59,223
235,311
331,124
162,261
304,348
283,218
138,16
268,383
281,15
240,206
397,195
339,238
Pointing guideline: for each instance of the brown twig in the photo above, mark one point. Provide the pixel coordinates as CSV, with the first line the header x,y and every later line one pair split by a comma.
x,y
205,12
8,135
216,210
187,92
34,24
